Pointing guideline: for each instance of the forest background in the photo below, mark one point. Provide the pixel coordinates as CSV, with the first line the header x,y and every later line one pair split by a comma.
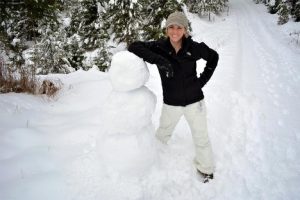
x,y
62,36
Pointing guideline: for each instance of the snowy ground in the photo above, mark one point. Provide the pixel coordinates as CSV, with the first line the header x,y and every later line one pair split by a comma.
x,y
49,149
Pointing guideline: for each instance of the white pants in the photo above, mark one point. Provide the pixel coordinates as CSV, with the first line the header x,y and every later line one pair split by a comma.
x,y
195,114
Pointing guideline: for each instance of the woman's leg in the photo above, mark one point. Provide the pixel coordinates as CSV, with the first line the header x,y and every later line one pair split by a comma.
x,y
169,118
195,115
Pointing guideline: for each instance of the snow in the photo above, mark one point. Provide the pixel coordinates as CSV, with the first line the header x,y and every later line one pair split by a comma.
x,y
94,141
66,21
15,41
89,57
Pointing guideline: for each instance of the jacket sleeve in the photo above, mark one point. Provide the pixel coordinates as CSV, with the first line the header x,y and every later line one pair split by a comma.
x,y
146,51
211,56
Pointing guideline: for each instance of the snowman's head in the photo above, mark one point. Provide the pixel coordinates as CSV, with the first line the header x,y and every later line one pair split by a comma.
x,y
127,71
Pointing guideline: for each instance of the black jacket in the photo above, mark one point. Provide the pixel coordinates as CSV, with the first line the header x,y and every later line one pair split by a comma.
x,y
185,87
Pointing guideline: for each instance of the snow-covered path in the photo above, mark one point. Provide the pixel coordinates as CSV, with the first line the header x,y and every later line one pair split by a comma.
x,y
258,146
48,150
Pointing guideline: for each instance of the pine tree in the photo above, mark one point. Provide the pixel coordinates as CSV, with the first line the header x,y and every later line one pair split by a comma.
x,y
49,53
75,50
87,29
52,57
211,7
123,20
102,61
88,32
12,34
273,6
296,11
195,6
21,22
283,13
206,7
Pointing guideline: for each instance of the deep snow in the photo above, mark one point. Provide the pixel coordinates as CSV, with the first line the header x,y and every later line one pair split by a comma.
x,y
49,149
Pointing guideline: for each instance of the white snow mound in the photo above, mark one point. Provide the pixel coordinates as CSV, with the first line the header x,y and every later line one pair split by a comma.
x,y
127,71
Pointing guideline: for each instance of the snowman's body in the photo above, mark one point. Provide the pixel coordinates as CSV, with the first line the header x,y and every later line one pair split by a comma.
x,y
127,146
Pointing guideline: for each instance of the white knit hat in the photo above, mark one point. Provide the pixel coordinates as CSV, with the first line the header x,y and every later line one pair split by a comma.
x,y
177,18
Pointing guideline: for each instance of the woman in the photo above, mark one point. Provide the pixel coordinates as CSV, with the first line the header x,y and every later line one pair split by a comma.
x,y
175,57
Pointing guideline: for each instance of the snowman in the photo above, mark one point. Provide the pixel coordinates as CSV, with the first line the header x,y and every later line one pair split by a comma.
x,y
127,143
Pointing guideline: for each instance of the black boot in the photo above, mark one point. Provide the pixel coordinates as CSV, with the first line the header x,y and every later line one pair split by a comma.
x,y
206,177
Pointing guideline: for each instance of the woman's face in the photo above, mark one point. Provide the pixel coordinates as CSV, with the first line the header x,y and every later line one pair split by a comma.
x,y
175,33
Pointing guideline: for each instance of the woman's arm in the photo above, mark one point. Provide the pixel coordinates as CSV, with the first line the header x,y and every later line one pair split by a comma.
x,y
211,56
146,50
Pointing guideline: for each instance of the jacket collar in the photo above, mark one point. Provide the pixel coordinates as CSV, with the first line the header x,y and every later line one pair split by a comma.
x,y
166,45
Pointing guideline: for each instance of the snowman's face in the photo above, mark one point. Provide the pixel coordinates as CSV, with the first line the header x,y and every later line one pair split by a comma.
x,y
127,71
